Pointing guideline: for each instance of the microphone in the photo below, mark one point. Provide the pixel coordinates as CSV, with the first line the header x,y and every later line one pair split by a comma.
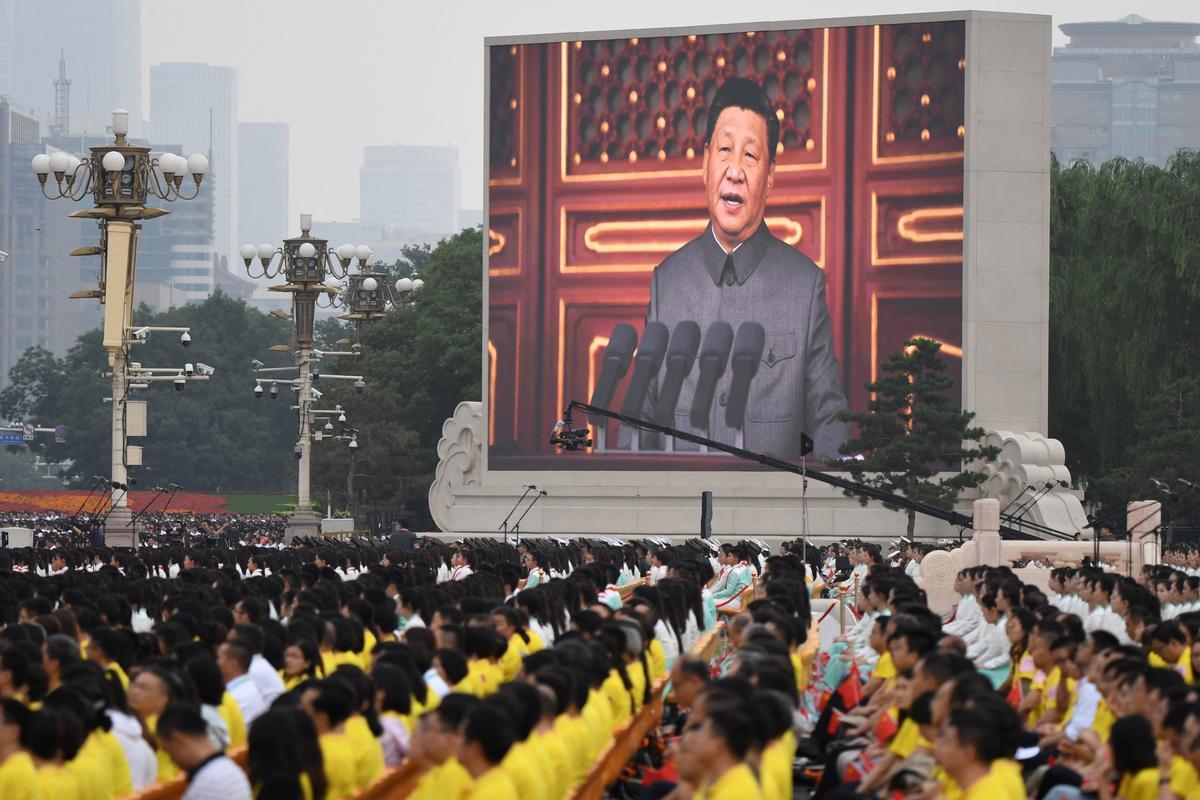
x,y
649,359
681,355
616,361
1186,483
175,486
542,492
747,351
530,486
713,356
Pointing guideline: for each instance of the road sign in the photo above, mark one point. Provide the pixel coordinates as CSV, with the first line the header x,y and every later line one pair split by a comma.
x,y
27,432
10,438
60,434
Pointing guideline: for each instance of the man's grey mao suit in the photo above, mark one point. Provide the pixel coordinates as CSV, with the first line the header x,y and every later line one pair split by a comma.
x,y
797,389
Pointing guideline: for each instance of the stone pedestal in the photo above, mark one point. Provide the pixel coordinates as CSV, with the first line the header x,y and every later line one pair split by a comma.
x,y
303,522
1143,519
118,528
987,532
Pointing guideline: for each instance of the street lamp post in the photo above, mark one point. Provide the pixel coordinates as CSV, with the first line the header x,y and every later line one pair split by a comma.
x,y
119,178
305,262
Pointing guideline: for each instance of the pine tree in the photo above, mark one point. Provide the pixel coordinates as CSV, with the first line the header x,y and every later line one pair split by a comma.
x,y
914,438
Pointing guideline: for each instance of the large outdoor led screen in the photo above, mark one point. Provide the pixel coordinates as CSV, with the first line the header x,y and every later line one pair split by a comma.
x,y
724,232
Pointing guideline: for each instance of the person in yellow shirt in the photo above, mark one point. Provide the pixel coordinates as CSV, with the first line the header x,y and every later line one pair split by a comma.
x,y
18,775
51,747
329,703
434,745
284,758
720,739
974,747
487,736
1134,759
1169,647
511,624
104,648
362,727
301,662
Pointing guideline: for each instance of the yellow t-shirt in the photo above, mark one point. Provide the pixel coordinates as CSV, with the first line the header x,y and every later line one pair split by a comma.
x,y
549,752
904,743
574,737
364,658
449,781
996,784
115,669
1142,785
656,659
524,770
57,783
1103,722
885,669
331,661
19,778
1184,779
231,712
338,756
597,711
368,752
110,755
639,679
91,774
619,698
776,767
736,784
495,784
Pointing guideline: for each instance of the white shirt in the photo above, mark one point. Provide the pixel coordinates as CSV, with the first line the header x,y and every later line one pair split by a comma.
x,y
991,648
219,779
266,679
966,613
912,569
435,684
1103,618
1087,700
458,573
246,695
143,764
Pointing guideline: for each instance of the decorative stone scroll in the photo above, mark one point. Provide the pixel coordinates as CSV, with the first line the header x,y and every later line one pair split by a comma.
x,y
460,461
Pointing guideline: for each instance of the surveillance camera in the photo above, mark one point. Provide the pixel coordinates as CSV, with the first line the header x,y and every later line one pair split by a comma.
x,y
356,347
258,392
3,256
359,386
341,417
274,391
189,370
185,339
256,365
316,395
204,369
179,384
316,373
354,444
142,333
299,452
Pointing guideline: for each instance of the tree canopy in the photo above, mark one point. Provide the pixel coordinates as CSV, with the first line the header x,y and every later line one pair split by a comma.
x,y
1125,322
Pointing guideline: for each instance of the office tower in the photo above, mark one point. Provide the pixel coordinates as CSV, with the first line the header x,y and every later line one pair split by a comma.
x,y
195,106
263,182
1126,88
101,42
412,188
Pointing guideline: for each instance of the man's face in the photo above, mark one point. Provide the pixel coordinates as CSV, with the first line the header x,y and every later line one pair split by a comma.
x,y
949,752
147,694
738,174
433,740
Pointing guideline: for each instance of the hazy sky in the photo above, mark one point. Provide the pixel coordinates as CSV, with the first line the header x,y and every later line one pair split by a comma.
x,y
356,72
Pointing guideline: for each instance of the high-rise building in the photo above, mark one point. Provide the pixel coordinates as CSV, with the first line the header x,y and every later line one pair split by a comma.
x,y
1126,88
195,106
412,188
262,182
101,41
39,275
175,252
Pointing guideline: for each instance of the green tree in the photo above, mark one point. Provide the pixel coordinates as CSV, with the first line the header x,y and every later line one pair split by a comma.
x,y
419,362
212,436
914,438
1124,310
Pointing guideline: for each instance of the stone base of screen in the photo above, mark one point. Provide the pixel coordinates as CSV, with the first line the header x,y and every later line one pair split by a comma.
x,y
466,499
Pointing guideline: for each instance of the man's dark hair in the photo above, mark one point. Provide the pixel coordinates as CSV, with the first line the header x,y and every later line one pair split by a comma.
x,y
240,653
249,636
454,663
184,718
454,708
254,607
689,665
744,93
492,729
335,699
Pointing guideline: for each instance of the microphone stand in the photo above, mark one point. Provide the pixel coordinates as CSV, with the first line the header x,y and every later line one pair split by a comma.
x,y
160,492
504,525
1013,502
1033,500
113,506
517,526
86,500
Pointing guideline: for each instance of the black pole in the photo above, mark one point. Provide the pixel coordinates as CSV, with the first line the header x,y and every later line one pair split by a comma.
x,y
517,525
851,487
513,510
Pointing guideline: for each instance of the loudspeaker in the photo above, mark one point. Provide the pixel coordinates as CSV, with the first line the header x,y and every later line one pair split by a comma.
x,y
705,515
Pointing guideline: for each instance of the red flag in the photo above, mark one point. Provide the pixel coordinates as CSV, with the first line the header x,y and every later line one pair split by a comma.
x,y
835,720
851,689
886,727
1014,694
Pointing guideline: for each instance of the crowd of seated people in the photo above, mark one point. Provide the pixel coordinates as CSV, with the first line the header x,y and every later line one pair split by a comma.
x,y
493,671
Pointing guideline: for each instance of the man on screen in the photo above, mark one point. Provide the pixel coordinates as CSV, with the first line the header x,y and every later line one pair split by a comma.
x,y
736,271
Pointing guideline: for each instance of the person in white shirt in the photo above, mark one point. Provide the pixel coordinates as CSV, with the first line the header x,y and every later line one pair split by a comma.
x,y
990,649
183,735
460,563
233,659
967,614
143,765
1100,614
